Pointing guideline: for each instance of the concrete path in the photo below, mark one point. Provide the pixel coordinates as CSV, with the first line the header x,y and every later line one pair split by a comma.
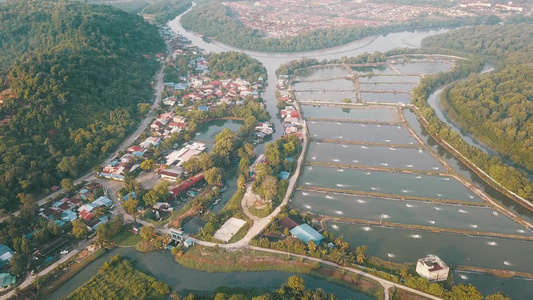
x,y
385,283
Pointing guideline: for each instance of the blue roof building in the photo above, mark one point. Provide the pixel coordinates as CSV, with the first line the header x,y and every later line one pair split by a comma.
x,y
180,86
5,255
102,201
69,216
129,196
306,233
284,175
6,280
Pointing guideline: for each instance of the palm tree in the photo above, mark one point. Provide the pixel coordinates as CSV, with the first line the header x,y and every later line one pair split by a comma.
x,y
404,273
311,246
360,258
175,296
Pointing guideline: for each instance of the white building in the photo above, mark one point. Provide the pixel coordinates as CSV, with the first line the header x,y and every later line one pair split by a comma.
x,y
432,268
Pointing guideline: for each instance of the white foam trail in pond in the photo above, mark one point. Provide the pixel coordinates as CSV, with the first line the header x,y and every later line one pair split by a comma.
x,y
507,263
409,205
313,158
308,206
309,168
338,123
340,170
416,236
364,147
305,194
317,143
447,178
437,208
308,183
462,211
379,126
473,225
495,213
431,222
336,159
367,228
334,226
492,243
420,150
388,141
385,216
339,212
520,230
314,135
313,122
344,146
405,191
435,168
384,164
418,177
329,197
409,166
439,195
339,136
355,161
399,127
340,185
390,255
470,196
361,201
393,149
367,173
374,188
363,125
464,277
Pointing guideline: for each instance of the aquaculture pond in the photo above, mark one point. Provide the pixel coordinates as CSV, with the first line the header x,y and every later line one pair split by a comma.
x,y
403,245
334,85
386,97
399,184
407,212
325,72
326,96
375,156
381,69
370,133
389,79
365,113
429,67
388,87
515,287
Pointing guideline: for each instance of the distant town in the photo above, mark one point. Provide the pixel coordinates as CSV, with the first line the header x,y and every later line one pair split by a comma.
x,y
278,18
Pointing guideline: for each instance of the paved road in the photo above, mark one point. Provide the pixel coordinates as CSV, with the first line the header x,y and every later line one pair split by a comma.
x,y
29,279
385,283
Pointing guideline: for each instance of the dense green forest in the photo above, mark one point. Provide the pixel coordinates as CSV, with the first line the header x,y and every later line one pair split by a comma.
x,y
76,73
495,98
219,22
165,10
118,279
509,44
497,107
237,64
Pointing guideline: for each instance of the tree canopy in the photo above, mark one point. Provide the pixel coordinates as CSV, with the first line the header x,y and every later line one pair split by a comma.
x,y
74,74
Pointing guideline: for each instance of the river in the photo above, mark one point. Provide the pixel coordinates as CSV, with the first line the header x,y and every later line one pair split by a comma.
x,y
161,265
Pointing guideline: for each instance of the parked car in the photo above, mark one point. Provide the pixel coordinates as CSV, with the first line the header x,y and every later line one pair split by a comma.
x,y
64,252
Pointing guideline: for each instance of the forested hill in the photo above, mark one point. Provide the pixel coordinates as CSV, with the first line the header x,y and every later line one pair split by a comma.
x,y
510,43
496,107
71,75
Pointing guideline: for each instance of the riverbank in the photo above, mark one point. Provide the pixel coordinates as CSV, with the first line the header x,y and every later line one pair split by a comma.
x,y
220,260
